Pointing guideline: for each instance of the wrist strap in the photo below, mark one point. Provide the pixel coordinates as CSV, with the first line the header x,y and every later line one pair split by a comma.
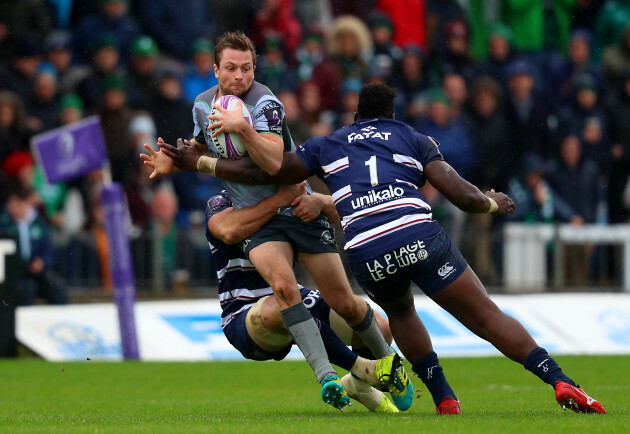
x,y
493,206
206,165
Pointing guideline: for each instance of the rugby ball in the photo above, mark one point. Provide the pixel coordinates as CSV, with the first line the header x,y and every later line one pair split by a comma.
x,y
229,145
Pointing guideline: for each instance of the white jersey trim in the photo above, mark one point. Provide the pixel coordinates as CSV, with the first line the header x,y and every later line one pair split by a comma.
x,y
408,161
336,166
244,294
237,263
400,203
341,194
386,229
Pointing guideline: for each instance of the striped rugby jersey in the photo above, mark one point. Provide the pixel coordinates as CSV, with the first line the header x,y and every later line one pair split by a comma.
x,y
240,285
373,169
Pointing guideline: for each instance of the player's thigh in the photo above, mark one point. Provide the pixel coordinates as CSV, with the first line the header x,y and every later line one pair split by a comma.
x,y
329,275
467,300
274,261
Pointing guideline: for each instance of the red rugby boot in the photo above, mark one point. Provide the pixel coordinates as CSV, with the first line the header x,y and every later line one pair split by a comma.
x,y
576,399
448,406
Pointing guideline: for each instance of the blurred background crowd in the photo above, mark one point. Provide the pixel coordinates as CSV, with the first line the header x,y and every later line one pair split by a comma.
x,y
529,97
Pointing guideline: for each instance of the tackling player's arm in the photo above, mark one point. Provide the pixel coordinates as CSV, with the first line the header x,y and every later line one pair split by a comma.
x,y
309,207
246,171
462,193
234,225
264,148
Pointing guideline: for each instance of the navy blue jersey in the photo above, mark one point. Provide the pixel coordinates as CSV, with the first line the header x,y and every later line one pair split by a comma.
x,y
240,285
373,169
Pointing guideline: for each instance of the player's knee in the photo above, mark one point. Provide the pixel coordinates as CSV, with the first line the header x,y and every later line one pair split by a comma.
x,y
352,309
287,292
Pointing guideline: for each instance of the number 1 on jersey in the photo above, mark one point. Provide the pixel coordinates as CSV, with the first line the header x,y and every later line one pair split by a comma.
x,y
371,163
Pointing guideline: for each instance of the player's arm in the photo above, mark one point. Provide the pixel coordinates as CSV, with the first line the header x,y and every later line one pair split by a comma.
x,y
462,193
309,207
234,225
265,149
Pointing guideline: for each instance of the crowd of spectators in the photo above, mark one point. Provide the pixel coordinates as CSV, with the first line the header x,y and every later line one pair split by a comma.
x,y
531,97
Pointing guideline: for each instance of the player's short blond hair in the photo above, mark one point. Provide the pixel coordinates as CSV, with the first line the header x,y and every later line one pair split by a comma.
x,y
236,41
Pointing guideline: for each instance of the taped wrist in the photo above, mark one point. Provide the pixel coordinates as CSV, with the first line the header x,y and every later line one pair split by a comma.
x,y
206,165
493,206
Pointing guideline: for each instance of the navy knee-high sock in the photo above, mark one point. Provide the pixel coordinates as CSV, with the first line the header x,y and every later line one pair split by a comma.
x,y
430,372
338,353
545,367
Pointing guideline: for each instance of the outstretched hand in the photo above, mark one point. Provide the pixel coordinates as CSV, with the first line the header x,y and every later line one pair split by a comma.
x,y
158,161
184,157
505,202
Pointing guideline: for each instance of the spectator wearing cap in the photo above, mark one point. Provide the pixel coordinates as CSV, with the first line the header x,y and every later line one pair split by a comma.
x,y
188,20
112,20
410,83
106,59
385,53
455,142
276,17
59,53
43,107
441,13
314,65
35,274
71,109
454,59
349,101
585,117
272,67
115,118
14,131
199,74
563,75
527,113
20,170
409,19
500,55
19,75
143,73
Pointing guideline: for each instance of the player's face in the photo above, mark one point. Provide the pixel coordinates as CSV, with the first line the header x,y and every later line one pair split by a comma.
x,y
235,72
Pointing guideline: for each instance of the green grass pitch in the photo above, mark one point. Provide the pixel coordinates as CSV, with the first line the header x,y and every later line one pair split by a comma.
x,y
496,395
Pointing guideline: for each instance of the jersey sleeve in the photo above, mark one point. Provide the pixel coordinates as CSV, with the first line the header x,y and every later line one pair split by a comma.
x,y
215,205
428,149
309,154
200,113
268,116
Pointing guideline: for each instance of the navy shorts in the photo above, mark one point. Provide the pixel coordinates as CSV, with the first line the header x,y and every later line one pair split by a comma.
x,y
316,236
432,264
236,330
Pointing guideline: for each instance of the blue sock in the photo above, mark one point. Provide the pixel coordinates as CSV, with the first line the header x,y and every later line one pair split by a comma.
x,y
541,364
430,372
338,353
